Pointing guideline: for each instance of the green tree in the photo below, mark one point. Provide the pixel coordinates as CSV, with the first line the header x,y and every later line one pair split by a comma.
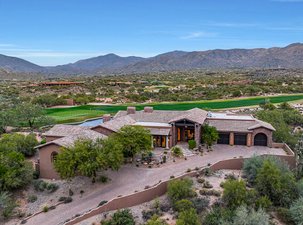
x,y
235,193
279,186
20,143
32,115
183,205
134,139
209,135
6,119
87,157
188,217
180,189
15,172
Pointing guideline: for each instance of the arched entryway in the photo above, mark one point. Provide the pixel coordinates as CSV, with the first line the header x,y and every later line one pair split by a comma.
x,y
53,156
260,139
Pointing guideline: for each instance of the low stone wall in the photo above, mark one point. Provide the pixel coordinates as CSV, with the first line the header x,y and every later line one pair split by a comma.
x,y
161,188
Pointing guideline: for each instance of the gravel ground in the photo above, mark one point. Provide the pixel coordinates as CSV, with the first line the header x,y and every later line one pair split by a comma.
x,y
214,180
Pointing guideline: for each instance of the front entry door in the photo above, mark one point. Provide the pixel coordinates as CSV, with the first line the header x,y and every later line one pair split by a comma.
x,y
159,141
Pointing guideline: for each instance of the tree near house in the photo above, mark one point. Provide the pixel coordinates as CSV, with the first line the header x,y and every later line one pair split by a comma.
x,y
6,119
32,115
209,135
87,157
299,157
134,140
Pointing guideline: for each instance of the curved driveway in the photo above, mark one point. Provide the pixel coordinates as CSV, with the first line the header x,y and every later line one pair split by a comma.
x,y
128,179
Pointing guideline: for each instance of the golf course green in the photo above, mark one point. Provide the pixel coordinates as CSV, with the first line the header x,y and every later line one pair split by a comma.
x,y
80,113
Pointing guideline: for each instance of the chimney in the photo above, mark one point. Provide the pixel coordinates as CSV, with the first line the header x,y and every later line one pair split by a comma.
x,y
106,117
148,109
131,110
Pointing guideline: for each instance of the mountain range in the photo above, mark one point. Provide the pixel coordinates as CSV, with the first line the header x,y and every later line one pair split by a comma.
x,y
290,56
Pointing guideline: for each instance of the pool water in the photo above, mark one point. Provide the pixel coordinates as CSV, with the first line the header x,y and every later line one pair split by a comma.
x,y
91,123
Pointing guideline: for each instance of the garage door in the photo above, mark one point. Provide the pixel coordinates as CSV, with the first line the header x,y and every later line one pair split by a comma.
x,y
223,138
240,139
260,139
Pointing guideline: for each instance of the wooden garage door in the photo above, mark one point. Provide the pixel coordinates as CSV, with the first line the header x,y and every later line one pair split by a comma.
x,y
223,138
240,139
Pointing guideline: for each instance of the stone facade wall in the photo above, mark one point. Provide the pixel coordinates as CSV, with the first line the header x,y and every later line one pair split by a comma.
x,y
265,131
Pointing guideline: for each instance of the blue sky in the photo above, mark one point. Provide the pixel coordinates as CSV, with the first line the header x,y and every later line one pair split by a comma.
x,y
51,32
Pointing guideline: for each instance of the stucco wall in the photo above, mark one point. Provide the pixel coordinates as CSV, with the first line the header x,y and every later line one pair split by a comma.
x,y
46,166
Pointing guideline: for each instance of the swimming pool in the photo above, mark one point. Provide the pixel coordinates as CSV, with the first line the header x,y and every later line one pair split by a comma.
x,y
91,123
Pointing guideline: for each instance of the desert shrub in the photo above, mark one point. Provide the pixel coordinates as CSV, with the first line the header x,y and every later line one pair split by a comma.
x,y
206,184
183,205
279,186
51,187
263,202
68,200
36,174
188,217
148,214
155,220
62,199
243,216
300,187
235,193
210,192
121,217
230,176
177,151
7,205
206,172
180,189
217,215
296,211
200,204
253,164
284,215
32,198
200,180
103,179
45,208
70,192
102,203
192,144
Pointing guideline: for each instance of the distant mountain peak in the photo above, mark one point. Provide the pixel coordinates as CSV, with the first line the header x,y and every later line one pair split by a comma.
x,y
290,56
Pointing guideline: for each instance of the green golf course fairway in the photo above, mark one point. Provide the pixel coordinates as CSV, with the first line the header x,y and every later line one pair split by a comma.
x,y
80,113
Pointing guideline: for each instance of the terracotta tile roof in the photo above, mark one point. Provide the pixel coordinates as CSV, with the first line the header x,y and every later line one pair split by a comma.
x,y
62,130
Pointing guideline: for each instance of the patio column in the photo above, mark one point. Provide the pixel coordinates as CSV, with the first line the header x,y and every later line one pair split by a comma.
x,y
198,134
231,138
249,138
152,141
166,143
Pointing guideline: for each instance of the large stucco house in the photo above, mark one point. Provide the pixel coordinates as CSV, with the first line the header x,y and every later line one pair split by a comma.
x,y
166,127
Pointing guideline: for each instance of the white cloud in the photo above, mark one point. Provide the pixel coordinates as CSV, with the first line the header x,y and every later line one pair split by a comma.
x,y
197,35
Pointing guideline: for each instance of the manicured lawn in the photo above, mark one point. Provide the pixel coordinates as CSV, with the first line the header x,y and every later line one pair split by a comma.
x,y
74,114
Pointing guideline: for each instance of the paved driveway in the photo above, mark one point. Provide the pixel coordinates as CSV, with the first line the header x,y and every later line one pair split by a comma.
x,y
128,179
